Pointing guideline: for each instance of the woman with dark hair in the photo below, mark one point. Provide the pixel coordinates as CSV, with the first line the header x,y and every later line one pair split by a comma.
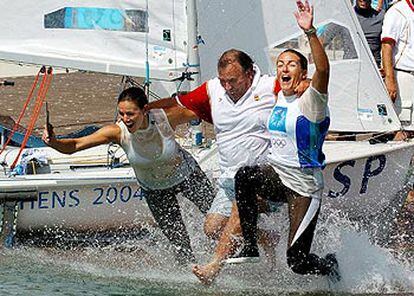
x,y
292,173
298,127
163,169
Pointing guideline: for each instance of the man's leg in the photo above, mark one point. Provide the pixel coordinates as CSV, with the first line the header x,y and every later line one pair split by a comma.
x,y
229,242
217,207
214,225
227,245
220,210
164,207
303,216
231,238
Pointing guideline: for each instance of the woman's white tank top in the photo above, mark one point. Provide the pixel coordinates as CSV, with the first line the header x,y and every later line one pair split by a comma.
x,y
158,160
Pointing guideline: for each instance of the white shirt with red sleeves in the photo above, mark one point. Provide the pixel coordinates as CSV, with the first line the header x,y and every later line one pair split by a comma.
x,y
241,134
398,27
240,127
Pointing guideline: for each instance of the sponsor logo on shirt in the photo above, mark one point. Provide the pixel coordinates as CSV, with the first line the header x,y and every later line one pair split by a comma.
x,y
277,120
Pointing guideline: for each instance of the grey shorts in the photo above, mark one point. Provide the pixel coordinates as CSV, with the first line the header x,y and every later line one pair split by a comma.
x,y
224,198
223,201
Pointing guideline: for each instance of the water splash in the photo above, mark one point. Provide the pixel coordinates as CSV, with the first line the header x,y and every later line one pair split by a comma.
x,y
145,264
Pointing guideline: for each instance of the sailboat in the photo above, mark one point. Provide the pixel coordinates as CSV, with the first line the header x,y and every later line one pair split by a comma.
x,y
165,40
146,39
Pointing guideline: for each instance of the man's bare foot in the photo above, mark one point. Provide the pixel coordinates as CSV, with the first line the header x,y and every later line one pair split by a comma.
x,y
207,273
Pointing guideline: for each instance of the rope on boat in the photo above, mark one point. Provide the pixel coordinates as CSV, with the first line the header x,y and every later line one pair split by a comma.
x,y
77,124
40,99
22,112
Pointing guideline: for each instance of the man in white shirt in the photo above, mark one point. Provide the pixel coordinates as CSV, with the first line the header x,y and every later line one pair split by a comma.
x,y
398,58
292,174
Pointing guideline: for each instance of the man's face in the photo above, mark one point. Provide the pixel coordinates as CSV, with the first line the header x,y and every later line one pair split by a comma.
x,y
364,4
235,80
289,72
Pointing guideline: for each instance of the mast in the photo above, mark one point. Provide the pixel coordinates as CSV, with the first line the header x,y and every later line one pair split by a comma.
x,y
193,55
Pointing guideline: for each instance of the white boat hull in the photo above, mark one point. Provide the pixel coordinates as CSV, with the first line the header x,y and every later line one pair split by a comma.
x,y
361,180
86,198
367,179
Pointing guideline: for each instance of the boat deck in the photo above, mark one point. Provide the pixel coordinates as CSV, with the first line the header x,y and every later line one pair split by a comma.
x,y
338,151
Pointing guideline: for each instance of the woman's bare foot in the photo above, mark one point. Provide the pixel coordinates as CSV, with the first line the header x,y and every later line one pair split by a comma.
x,y
207,273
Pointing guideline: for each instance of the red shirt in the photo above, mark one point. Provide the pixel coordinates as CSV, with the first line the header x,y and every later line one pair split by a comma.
x,y
199,102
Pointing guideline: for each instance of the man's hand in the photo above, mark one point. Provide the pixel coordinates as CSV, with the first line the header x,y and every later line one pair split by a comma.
x,y
392,88
302,87
146,109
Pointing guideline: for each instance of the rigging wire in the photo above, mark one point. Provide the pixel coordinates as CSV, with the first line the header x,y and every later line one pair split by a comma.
x,y
22,112
40,99
111,160
147,67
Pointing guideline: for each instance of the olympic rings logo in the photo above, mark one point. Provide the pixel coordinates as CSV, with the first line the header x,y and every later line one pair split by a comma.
x,y
280,143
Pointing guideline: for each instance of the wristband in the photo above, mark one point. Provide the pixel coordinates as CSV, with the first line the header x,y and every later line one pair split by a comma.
x,y
309,32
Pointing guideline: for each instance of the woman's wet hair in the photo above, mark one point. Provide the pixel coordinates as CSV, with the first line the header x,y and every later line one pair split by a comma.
x,y
234,55
134,94
302,59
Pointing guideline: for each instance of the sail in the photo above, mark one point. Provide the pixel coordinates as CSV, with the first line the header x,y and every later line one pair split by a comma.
x,y
109,36
358,99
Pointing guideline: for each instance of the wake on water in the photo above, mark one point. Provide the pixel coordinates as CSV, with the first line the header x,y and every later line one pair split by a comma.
x,y
146,263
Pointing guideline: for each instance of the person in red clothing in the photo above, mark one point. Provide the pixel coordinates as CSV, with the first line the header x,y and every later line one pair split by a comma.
x,y
293,171
238,103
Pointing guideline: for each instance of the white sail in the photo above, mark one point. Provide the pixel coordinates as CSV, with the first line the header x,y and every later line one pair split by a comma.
x,y
358,98
109,36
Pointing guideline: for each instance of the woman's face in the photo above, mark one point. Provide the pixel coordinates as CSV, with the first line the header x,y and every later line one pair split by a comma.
x,y
132,116
289,72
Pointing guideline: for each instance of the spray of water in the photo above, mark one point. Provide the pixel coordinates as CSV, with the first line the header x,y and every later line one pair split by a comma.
x,y
147,261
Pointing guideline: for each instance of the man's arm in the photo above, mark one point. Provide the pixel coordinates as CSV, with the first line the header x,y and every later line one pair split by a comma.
x,y
392,30
387,47
162,104
107,134
179,115
196,101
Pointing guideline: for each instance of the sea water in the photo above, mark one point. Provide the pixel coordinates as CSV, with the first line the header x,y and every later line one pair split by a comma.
x,y
145,266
